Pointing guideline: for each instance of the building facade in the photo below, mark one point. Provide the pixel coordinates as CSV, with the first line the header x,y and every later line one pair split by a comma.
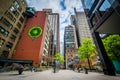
x,y
82,27
35,49
12,21
103,18
74,22
70,45
54,31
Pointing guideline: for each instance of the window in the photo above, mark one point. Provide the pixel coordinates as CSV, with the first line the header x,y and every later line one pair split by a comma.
x,y
44,52
104,7
5,22
69,55
16,31
6,33
45,46
10,16
5,53
9,45
23,1
23,14
2,41
19,25
88,3
13,37
21,19
3,31
14,11
17,6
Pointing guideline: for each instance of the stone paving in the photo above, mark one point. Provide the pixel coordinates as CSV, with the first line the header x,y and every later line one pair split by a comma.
x,y
61,75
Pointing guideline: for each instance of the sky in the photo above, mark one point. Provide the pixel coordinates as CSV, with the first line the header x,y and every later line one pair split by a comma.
x,y
65,8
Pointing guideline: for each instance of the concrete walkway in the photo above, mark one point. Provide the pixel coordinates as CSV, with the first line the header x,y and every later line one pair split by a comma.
x,y
61,75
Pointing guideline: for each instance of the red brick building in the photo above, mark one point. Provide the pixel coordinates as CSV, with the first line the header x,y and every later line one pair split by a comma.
x,y
28,48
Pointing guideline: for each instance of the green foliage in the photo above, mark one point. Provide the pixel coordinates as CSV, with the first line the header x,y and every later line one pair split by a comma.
x,y
87,49
59,57
45,67
112,46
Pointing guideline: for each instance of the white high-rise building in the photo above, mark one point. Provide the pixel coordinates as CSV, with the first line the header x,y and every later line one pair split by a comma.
x,y
54,46
82,26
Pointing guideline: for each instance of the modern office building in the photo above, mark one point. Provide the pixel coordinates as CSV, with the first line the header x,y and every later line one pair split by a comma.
x,y
33,46
70,45
54,32
12,21
74,22
82,27
103,17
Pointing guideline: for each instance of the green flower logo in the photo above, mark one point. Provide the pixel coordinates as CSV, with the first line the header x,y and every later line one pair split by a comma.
x,y
35,32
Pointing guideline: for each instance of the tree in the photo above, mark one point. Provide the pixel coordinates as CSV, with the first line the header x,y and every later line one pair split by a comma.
x,y
112,46
86,50
59,57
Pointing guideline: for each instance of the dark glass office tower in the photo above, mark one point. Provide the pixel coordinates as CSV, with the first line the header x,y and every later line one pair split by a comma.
x,y
103,17
70,45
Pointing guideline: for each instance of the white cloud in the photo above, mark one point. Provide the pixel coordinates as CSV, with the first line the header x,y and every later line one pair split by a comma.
x,y
56,8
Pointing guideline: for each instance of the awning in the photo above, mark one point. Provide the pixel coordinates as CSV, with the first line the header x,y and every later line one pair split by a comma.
x,y
16,61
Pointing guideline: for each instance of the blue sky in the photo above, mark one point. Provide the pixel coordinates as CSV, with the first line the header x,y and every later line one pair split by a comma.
x,y
64,7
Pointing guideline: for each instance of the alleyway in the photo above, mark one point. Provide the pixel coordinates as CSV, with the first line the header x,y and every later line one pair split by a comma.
x,y
61,75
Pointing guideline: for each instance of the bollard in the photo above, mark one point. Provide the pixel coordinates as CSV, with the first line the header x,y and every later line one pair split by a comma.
x,y
86,71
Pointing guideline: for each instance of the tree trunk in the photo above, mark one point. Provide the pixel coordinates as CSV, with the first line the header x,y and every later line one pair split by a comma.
x,y
89,63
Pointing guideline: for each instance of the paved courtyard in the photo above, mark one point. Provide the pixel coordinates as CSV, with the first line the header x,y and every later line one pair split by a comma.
x,y
61,75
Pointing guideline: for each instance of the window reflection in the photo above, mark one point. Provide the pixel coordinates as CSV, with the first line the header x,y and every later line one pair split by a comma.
x,y
3,31
111,1
104,7
88,3
14,11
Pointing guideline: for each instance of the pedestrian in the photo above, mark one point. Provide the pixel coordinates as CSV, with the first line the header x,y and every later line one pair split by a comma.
x,y
79,68
54,67
20,69
86,71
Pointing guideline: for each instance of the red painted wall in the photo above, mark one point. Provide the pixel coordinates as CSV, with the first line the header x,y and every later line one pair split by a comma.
x,y
28,49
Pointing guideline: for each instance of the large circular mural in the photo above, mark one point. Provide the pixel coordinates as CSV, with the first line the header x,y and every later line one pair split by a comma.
x,y
35,32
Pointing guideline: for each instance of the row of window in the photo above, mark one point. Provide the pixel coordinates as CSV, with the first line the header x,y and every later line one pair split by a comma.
x,y
6,23
71,50
69,40
17,5
8,44
6,33
70,46
14,10
69,36
10,16
5,54
70,55
3,31
2,41
68,32
69,28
